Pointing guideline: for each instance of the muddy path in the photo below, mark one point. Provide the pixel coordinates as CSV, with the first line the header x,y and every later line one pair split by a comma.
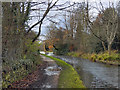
x,y
49,76
46,76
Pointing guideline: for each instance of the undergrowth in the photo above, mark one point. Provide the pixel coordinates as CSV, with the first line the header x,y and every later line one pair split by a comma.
x,y
113,58
15,70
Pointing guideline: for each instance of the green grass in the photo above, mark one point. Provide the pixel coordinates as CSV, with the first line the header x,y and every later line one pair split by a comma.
x,y
69,78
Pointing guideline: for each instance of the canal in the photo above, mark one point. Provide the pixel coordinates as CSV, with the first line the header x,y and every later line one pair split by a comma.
x,y
94,74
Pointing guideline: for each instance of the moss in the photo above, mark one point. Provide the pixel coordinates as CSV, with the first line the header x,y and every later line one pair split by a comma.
x,y
69,78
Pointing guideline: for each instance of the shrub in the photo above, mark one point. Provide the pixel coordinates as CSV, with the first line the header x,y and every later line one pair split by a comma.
x,y
14,70
93,57
99,57
104,56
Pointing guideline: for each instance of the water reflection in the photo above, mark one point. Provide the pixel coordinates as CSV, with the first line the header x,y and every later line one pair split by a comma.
x,y
94,74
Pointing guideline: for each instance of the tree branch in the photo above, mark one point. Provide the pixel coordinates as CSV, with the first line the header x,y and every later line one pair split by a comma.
x,y
41,21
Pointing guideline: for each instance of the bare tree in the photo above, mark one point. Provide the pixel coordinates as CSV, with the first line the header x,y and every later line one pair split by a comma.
x,y
49,7
109,21
50,4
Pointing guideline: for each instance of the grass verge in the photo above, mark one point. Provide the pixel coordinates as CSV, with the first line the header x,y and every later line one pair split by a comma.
x,y
69,78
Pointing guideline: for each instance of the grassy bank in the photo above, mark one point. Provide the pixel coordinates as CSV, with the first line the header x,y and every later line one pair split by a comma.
x,y
104,57
69,78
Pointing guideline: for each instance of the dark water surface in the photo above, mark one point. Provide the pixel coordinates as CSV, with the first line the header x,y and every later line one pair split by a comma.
x,y
93,74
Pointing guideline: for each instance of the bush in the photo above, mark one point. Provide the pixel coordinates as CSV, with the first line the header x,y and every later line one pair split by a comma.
x,y
14,70
93,57
62,49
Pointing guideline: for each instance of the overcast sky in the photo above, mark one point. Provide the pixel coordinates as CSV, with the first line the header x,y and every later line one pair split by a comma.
x,y
46,22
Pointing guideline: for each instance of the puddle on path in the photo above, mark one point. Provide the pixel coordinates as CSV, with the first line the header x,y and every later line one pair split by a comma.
x,y
46,86
52,73
52,70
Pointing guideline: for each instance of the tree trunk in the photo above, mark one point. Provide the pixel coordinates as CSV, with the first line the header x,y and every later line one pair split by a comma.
x,y
109,49
103,44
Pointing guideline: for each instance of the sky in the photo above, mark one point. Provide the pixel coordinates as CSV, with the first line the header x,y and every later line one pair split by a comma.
x,y
46,22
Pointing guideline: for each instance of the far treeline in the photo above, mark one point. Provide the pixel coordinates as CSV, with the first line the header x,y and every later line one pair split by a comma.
x,y
88,31
84,32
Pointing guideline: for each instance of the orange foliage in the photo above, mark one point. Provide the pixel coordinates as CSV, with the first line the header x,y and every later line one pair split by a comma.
x,y
50,46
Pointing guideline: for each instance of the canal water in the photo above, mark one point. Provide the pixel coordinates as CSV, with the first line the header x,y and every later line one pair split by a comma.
x,y
94,74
